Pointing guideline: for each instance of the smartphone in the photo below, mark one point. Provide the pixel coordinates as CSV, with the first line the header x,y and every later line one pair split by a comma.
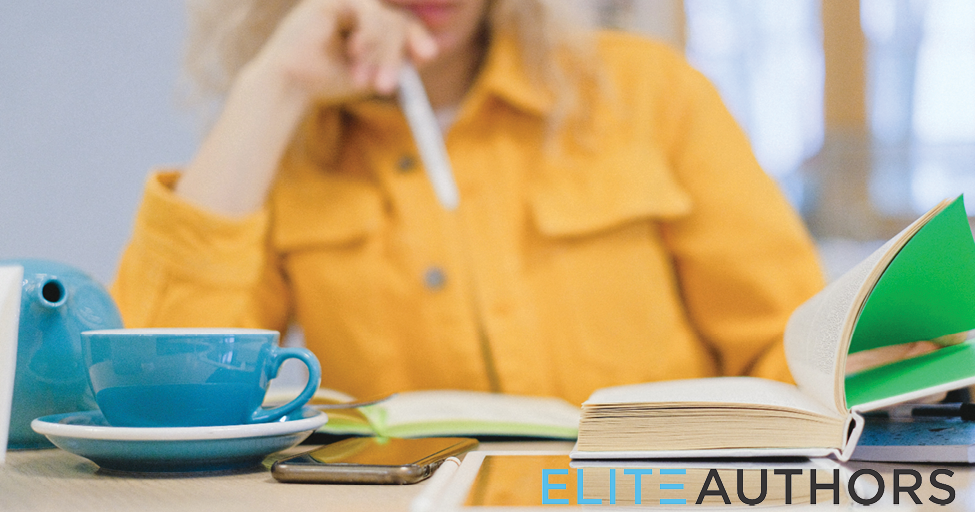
x,y
371,460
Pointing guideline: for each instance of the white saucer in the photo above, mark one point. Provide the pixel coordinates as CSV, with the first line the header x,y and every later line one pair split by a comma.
x,y
175,449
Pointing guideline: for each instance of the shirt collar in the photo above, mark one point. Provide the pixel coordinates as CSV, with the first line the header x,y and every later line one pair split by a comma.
x,y
502,76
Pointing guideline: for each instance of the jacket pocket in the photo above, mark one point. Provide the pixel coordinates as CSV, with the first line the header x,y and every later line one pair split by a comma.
x,y
323,208
580,196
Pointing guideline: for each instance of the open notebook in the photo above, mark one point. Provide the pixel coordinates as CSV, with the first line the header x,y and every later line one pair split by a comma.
x,y
449,413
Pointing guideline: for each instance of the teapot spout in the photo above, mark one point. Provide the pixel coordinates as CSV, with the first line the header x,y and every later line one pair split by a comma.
x,y
56,359
51,294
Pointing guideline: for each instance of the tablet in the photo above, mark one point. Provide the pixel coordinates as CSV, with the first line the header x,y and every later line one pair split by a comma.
x,y
510,481
498,480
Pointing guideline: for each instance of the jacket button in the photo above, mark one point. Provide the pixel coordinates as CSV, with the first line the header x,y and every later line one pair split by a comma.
x,y
406,163
434,278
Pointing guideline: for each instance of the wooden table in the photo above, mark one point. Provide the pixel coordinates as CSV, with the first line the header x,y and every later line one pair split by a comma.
x,y
54,480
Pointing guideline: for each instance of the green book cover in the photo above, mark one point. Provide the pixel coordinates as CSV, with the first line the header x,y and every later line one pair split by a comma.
x,y
927,291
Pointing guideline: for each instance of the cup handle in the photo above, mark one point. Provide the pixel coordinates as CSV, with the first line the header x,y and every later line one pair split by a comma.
x,y
262,415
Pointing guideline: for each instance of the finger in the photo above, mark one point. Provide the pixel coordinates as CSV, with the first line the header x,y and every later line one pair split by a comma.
x,y
372,51
421,45
364,74
363,51
361,47
391,61
389,55
387,78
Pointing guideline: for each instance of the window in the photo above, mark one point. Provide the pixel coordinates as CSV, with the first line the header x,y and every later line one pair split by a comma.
x,y
766,58
860,161
921,102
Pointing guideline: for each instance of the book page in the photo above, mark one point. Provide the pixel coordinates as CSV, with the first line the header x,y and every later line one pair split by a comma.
x,y
280,394
471,409
819,330
341,421
712,392
818,334
10,286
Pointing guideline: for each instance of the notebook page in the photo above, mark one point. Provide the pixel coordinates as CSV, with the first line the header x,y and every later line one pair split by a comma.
x,y
476,407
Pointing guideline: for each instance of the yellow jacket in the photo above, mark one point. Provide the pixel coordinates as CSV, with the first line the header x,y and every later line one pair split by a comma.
x,y
661,252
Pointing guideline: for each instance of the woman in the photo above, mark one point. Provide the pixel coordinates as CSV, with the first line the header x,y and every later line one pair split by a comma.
x,y
613,228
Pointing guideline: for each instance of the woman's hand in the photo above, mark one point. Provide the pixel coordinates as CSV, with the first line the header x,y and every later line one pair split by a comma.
x,y
331,49
323,50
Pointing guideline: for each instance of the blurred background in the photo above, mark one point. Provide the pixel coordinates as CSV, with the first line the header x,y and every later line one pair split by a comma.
x,y
864,111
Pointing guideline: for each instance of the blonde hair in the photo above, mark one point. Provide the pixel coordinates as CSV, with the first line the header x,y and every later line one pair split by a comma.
x,y
556,49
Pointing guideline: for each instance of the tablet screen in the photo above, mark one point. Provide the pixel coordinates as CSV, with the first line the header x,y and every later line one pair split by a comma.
x,y
516,480
507,480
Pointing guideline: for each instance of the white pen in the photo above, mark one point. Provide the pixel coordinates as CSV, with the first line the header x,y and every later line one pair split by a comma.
x,y
426,132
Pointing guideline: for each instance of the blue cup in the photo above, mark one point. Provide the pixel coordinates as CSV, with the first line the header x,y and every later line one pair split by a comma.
x,y
189,377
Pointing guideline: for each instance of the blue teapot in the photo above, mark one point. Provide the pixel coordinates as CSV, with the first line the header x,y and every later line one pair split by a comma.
x,y
57,303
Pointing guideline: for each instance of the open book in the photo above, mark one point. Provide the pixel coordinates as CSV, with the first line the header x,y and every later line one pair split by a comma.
x,y
451,413
918,286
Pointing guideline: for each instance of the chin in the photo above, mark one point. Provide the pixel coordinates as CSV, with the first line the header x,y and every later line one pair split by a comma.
x,y
447,43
